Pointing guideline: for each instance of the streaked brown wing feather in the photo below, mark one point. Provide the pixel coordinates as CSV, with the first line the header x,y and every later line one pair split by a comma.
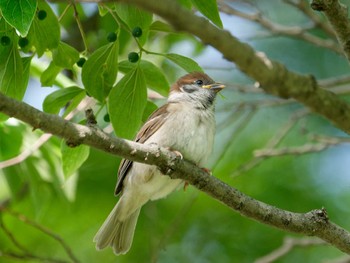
x,y
148,129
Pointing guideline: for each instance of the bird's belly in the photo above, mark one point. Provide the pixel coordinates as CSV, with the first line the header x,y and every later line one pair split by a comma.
x,y
150,182
191,135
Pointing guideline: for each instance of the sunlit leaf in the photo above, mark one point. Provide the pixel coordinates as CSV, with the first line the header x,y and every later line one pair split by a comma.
x,y
127,102
19,13
44,34
12,82
161,26
59,99
26,69
49,75
154,76
100,71
209,8
72,105
73,158
135,17
184,62
65,56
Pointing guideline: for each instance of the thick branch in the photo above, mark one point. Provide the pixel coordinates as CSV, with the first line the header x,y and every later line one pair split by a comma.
x,y
337,15
273,77
313,223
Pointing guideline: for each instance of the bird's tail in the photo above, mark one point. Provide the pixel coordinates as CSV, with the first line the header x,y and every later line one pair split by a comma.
x,y
117,233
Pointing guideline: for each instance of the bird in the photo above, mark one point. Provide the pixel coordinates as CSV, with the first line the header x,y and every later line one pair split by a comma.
x,y
185,124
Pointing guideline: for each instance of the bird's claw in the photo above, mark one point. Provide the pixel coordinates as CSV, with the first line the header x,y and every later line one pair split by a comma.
x,y
177,153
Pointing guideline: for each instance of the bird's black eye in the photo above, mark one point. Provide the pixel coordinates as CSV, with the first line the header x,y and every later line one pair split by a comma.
x,y
199,82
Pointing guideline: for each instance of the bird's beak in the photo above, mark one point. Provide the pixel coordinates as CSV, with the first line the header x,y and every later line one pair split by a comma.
x,y
215,87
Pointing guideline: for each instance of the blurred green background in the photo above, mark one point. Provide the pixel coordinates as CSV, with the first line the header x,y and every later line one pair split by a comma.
x,y
188,226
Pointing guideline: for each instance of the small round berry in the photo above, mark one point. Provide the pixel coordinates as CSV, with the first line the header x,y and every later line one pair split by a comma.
x,y
106,118
23,42
112,37
42,14
5,40
81,62
133,57
137,31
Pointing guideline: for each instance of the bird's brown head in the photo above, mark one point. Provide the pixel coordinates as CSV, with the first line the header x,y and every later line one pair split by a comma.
x,y
195,87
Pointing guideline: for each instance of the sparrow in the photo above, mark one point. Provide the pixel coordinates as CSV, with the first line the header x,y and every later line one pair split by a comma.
x,y
185,124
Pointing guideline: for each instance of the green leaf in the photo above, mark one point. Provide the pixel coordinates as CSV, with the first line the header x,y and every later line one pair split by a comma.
x,y
26,69
73,158
65,56
11,138
185,3
154,76
44,34
209,8
12,80
127,102
100,71
149,109
49,75
184,62
14,179
134,17
161,26
19,13
74,103
59,98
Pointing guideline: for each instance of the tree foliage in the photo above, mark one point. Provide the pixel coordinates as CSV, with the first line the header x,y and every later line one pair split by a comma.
x,y
120,59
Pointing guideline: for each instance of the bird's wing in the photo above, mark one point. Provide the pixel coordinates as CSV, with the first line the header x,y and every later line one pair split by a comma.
x,y
148,129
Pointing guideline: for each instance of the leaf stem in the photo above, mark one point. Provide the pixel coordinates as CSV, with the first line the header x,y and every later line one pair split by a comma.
x,y
80,26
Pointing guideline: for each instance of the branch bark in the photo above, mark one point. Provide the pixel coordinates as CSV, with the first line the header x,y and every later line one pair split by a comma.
x,y
314,223
337,15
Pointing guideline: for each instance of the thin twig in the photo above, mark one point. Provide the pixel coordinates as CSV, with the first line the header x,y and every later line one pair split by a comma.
x,y
11,236
304,6
273,142
297,150
335,81
290,243
64,12
45,231
26,254
27,152
296,32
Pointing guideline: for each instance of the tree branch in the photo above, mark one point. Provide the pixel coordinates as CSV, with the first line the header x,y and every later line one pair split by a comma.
x,y
304,7
289,243
314,223
273,77
337,15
